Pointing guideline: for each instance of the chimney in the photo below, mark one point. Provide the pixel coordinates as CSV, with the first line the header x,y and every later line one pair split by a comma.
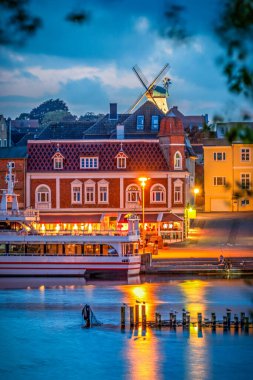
x,y
120,132
113,111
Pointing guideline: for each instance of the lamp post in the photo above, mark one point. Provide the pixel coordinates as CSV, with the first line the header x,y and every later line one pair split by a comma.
x,y
196,192
143,181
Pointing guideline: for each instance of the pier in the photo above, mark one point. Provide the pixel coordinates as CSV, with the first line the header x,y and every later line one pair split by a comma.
x,y
236,322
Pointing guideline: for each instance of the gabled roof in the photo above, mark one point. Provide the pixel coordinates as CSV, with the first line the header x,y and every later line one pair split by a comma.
x,y
142,155
65,130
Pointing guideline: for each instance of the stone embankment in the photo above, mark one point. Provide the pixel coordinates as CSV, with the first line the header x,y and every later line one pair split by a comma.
x,y
238,265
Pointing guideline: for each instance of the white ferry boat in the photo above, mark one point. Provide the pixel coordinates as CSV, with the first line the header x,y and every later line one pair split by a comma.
x,y
27,252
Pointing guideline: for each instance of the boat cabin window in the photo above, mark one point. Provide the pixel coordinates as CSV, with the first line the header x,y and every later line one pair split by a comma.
x,y
16,248
2,248
35,249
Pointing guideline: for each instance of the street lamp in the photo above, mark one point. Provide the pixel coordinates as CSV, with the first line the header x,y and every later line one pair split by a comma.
x,y
196,192
143,181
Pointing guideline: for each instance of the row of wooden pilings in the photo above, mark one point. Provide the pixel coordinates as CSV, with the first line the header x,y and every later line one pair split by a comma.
x,y
226,322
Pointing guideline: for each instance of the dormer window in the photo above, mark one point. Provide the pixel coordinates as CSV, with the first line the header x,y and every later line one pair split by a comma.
x,y
121,159
154,123
140,122
58,160
89,162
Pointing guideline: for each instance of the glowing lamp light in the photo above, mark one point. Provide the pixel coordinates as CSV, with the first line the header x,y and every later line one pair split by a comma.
x,y
89,227
75,227
196,190
43,228
57,227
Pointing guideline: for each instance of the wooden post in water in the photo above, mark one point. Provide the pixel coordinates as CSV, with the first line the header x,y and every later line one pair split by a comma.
x,y
131,316
159,320
225,321
123,316
246,319
188,319
229,318
174,320
137,314
171,318
236,319
213,320
200,319
143,315
242,319
184,318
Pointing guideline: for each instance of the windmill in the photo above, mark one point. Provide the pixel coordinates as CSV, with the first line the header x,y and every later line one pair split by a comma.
x,y
156,94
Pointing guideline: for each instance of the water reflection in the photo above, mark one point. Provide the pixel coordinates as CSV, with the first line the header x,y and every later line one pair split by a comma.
x,y
196,355
143,355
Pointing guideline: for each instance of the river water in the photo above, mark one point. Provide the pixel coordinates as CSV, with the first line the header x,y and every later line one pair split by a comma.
x,y
42,335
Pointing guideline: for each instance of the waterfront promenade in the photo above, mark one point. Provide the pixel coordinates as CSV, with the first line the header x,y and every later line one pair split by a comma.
x,y
212,235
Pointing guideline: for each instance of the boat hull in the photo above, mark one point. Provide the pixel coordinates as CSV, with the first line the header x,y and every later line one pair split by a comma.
x,y
69,265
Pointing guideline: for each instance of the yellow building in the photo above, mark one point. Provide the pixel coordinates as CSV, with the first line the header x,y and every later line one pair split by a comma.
x,y
228,174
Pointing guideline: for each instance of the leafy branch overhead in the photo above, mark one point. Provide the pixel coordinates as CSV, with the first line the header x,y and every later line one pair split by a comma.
x,y
18,24
235,32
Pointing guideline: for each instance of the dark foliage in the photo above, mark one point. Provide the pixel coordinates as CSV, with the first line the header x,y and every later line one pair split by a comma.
x,y
48,106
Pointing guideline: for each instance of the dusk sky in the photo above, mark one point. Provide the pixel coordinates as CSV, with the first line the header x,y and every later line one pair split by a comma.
x,y
89,66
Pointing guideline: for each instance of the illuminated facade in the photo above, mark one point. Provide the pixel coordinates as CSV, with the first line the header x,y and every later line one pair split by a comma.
x,y
228,174
93,184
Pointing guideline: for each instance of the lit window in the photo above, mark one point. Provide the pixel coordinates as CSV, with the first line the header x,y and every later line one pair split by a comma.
x,y
0,142
219,156
245,181
154,123
219,181
89,162
5,142
245,154
140,122
89,194
157,194
177,161
133,194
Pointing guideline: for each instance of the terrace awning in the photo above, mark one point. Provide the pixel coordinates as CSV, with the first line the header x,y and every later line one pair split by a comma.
x,y
170,217
86,218
148,218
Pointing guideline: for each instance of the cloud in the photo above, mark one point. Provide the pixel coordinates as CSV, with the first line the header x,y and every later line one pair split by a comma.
x,y
37,81
141,24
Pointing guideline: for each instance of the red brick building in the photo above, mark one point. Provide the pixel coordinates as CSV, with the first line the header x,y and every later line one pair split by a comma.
x,y
87,184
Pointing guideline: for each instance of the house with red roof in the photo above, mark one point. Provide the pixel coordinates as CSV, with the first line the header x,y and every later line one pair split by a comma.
x,y
87,184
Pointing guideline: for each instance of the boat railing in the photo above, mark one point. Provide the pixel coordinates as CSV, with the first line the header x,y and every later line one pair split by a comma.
x,y
29,212
88,233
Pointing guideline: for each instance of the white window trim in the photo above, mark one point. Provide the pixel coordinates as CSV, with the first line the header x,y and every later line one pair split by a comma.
x,y
215,181
178,183
59,160
103,183
38,201
249,177
223,156
152,191
249,152
87,184
76,183
122,160
138,193
91,160
178,167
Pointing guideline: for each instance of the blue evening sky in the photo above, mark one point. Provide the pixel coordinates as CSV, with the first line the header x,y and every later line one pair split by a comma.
x,y
89,66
